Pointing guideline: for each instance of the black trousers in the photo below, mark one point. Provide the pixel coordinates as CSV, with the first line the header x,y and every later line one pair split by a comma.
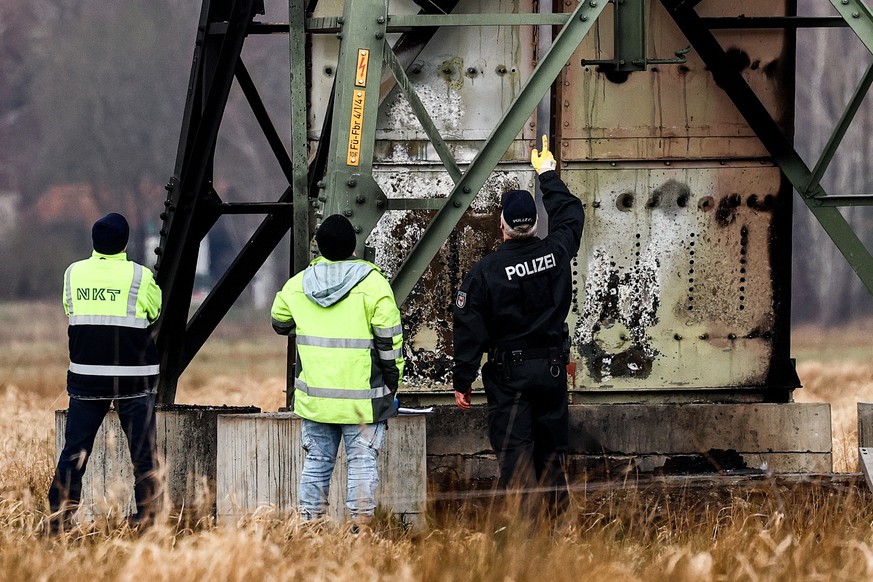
x,y
528,426
84,417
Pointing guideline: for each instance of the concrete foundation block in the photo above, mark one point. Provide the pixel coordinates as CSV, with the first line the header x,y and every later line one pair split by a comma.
x,y
865,424
696,428
865,441
606,439
260,458
186,447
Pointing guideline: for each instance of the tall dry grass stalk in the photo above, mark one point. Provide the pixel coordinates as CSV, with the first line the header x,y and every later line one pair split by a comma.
x,y
843,385
770,531
765,531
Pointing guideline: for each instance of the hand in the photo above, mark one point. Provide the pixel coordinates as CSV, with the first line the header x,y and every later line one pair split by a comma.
x,y
462,399
542,161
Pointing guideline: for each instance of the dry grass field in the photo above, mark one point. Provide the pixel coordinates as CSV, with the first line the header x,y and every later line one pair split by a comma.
x,y
774,531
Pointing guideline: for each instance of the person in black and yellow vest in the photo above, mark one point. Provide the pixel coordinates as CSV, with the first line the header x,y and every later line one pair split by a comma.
x,y
349,364
111,303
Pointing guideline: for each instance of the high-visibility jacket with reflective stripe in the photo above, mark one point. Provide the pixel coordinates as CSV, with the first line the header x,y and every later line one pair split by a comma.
x,y
349,354
110,303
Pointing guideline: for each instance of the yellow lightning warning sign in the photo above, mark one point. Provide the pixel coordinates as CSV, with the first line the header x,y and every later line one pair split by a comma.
x,y
361,71
356,125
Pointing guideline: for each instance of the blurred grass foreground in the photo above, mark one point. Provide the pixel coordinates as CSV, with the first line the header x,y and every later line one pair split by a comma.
x,y
806,529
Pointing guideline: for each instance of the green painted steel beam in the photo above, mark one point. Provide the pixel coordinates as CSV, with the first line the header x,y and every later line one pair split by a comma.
x,y
330,24
252,207
351,190
579,23
349,186
750,22
421,113
299,143
415,203
772,138
324,25
630,35
859,18
812,188
401,21
843,200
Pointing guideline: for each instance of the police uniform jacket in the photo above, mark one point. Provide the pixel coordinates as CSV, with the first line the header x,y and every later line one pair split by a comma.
x,y
518,297
110,303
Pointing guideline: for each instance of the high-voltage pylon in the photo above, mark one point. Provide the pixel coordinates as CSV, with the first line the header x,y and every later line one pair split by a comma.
x,y
338,175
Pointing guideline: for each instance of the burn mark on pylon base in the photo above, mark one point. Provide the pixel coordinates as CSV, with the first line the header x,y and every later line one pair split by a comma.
x,y
630,363
619,309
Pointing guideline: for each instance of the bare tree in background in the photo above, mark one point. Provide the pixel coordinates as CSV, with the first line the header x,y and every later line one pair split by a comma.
x,y
107,88
104,86
830,64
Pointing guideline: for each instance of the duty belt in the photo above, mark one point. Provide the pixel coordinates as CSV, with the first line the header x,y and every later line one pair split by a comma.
x,y
504,360
517,357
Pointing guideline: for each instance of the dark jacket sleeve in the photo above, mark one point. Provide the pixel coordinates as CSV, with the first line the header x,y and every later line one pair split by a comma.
x,y
566,215
470,334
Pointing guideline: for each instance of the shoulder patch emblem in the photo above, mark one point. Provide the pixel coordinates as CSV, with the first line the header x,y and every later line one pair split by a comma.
x,y
461,301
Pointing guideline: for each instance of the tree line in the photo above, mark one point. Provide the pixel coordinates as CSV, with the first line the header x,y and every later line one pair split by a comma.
x,y
93,92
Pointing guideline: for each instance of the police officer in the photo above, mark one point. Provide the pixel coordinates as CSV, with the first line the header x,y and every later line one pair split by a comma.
x,y
110,302
349,364
513,305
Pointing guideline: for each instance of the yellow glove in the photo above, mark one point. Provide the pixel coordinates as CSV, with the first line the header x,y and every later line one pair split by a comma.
x,y
542,161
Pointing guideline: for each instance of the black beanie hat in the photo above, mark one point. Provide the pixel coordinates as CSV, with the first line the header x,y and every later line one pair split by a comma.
x,y
110,234
519,208
336,238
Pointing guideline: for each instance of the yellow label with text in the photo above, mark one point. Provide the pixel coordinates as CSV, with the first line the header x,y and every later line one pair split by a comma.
x,y
356,125
361,71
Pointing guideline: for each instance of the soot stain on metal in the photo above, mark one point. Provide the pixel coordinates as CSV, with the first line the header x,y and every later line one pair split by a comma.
x,y
764,203
771,69
427,312
671,193
630,299
737,60
612,74
726,212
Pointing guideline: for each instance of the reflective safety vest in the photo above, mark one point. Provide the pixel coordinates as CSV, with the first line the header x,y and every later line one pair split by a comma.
x,y
110,303
349,352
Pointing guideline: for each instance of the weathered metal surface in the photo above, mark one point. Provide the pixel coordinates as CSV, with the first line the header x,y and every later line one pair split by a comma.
x,y
697,280
427,313
676,288
674,283
731,101
670,111
465,79
500,141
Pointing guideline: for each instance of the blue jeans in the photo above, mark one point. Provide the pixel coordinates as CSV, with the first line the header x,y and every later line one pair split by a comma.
x,y
84,417
321,443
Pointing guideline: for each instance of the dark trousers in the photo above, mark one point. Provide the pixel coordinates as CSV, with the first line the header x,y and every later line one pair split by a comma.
x,y
528,426
84,417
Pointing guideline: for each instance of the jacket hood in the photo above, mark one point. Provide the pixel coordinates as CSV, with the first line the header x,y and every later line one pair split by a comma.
x,y
326,282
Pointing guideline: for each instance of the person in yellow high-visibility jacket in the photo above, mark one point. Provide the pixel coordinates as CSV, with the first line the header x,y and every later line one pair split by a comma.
x,y
111,303
349,365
